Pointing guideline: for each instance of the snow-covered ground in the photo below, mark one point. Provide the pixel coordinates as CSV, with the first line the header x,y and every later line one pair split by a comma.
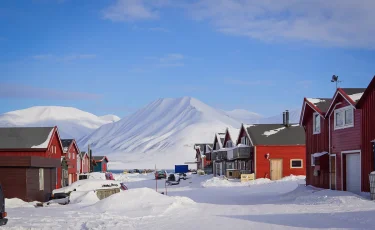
x,y
201,202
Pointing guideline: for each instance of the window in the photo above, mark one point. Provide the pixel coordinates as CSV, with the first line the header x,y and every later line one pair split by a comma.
x,y
296,163
245,141
73,156
312,160
316,123
69,155
344,118
229,144
41,179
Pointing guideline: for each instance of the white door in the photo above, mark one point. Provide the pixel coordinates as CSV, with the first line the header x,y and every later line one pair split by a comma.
x,y
353,173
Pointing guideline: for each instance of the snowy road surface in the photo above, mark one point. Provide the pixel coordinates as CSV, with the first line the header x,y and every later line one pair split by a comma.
x,y
202,203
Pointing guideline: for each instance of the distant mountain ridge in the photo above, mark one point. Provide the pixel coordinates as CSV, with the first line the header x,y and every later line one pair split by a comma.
x,y
163,132
71,122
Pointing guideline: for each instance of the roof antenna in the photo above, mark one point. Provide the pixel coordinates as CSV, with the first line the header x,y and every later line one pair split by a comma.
x,y
335,79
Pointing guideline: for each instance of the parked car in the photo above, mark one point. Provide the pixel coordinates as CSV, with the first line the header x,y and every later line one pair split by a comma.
x,y
160,174
173,179
182,176
3,214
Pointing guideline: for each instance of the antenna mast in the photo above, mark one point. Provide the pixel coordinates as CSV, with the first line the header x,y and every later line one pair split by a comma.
x,y
335,78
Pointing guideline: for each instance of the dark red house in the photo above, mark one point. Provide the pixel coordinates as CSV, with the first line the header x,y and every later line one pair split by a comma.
x,y
275,150
316,132
30,162
367,105
344,121
218,157
70,152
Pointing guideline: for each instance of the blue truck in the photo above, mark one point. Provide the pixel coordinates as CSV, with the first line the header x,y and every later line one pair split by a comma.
x,y
181,168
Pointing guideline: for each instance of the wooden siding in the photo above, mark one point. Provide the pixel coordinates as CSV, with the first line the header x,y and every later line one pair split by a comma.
x,y
13,181
316,143
33,190
344,139
72,161
368,134
279,152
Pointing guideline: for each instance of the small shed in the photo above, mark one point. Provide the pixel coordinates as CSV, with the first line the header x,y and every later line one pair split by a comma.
x,y
100,163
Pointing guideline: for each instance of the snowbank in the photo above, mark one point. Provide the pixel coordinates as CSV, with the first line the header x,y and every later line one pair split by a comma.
x,y
221,182
121,176
140,203
293,178
83,197
88,185
18,203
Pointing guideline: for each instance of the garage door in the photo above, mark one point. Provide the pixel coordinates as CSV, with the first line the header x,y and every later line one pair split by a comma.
x,y
353,173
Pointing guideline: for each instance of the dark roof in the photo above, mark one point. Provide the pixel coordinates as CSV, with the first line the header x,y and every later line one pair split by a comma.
x,y
351,91
292,135
25,138
66,142
323,103
99,158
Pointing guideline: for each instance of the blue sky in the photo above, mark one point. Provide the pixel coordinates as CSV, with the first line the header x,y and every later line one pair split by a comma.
x,y
116,56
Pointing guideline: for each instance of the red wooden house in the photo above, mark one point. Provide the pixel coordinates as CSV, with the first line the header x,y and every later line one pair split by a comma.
x,y
85,162
70,152
30,162
276,150
367,105
316,132
203,155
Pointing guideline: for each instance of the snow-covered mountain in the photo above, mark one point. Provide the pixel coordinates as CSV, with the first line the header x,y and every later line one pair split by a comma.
x,y
72,122
110,117
161,133
245,116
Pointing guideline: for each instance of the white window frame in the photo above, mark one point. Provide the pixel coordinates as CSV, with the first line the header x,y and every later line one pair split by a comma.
x,y
342,110
312,160
68,155
291,166
41,179
314,123
73,156
229,144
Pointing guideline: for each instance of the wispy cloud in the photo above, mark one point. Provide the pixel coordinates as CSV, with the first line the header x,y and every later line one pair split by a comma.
x,y
344,23
17,91
169,60
132,10
249,82
71,57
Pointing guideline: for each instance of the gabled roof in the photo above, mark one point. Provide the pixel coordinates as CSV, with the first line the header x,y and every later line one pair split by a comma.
x,y
233,134
369,89
220,138
319,105
66,144
25,137
99,158
351,95
276,134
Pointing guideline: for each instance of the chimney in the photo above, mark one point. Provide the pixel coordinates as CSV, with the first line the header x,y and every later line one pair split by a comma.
x,y
284,118
287,118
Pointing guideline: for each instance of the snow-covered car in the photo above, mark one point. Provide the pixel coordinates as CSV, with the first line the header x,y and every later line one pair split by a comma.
x,y
173,179
182,176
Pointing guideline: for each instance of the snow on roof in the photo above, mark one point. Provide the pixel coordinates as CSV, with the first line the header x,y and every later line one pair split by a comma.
x,y
44,145
355,97
247,126
315,100
273,131
295,125
65,149
373,140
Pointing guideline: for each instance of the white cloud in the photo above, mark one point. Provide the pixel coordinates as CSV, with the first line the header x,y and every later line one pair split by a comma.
x,y
344,23
132,10
71,57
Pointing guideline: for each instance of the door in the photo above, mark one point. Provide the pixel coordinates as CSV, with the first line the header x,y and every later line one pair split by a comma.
x,y
353,173
70,179
332,172
276,169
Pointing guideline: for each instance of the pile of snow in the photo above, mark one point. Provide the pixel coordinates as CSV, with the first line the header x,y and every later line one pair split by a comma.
x,y
88,185
141,202
222,182
293,178
331,197
72,122
121,177
89,197
18,203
